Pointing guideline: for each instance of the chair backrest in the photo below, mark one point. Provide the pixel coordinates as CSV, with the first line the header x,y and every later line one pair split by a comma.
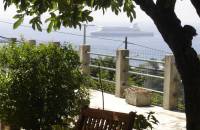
x,y
96,119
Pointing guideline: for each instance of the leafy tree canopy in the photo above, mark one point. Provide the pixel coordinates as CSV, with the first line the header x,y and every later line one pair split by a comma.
x,y
67,13
71,13
40,86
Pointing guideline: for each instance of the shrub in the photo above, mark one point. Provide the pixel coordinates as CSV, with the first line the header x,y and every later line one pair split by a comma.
x,y
40,86
105,74
110,75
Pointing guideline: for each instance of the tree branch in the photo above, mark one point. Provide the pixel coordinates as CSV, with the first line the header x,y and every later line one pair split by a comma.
x,y
166,4
148,6
196,4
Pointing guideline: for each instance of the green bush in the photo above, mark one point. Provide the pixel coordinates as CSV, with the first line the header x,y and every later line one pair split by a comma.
x,y
105,74
110,75
107,87
40,86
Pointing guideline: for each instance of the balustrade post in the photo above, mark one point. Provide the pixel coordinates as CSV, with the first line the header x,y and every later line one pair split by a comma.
x,y
56,43
32,42
12,40
122,67
171,82
85,59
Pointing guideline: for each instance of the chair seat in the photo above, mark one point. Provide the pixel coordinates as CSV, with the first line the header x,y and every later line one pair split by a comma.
x,y
97,119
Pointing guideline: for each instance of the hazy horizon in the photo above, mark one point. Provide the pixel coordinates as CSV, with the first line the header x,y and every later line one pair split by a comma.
x,y
184,11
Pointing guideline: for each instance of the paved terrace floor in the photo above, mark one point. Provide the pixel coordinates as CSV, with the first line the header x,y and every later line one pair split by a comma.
x,y
169,120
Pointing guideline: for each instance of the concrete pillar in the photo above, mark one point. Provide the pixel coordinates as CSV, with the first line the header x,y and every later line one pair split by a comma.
x,y
42,43
56,43
32,42
122,65
85,59
171,82
13,40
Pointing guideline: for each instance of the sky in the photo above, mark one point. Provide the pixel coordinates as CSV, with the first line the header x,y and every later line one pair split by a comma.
x,y
184,10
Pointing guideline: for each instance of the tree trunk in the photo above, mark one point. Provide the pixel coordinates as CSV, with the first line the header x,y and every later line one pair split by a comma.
x,y
189,67
179,39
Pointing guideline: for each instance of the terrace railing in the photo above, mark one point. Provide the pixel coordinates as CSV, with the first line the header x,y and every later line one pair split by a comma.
x,y
124,68
168,75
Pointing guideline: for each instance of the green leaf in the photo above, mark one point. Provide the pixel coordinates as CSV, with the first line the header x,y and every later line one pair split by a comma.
x,y
48,19
18,22
92,3
17,16
33,26
39,27
90,18
50,26
52,14
67,13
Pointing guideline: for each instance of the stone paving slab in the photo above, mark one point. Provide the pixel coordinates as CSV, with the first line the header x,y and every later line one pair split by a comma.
x,y
169,120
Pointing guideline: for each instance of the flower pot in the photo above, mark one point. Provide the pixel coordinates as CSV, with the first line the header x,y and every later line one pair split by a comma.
x,y
138,97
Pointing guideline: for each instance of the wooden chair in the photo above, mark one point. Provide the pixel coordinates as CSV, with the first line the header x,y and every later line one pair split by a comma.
x,y
96,119
4,127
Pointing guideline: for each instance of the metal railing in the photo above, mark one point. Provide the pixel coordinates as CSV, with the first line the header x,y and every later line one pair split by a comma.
x,y
98,54
146,60
133,43
102,67
147,75
146,70
151,90
105,80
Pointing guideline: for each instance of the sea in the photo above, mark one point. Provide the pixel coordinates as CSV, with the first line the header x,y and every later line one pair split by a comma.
x,y
150,47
